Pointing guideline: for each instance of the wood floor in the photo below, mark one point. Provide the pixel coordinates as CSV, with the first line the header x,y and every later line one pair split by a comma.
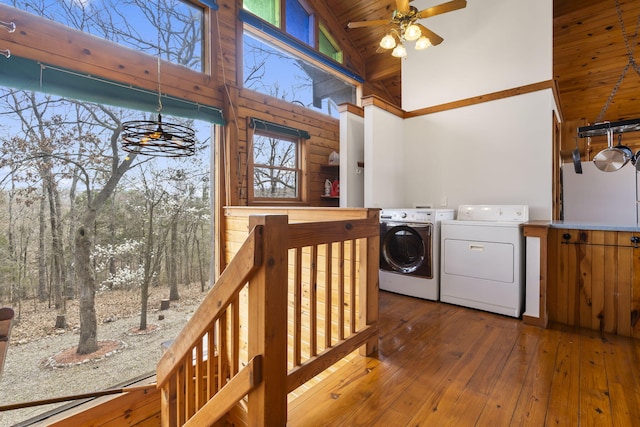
x,y
442,365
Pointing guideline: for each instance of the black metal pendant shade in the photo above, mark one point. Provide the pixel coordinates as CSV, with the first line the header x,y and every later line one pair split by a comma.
x,y
155,138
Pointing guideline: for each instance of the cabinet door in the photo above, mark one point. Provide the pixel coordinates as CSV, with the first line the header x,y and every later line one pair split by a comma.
x,y
594,280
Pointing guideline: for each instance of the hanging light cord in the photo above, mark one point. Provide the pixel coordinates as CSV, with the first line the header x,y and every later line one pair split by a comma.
x,y
159,109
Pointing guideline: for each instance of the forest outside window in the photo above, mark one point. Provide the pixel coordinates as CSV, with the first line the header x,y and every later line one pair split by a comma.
x,y
277,161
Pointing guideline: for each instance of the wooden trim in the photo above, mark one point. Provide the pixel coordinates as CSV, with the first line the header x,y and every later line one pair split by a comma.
x,y
508,93
351,108
381,103
540,230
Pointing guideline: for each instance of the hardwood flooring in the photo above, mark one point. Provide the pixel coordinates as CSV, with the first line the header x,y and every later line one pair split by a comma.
x,y
443,365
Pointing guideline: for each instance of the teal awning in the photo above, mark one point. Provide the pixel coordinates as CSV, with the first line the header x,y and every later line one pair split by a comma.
x,y
274,127
26,74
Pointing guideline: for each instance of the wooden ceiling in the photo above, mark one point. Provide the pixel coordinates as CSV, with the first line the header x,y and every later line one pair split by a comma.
x,y
589,54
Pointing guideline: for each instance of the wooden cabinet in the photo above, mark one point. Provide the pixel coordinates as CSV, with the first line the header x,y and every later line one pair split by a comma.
x,y
594,280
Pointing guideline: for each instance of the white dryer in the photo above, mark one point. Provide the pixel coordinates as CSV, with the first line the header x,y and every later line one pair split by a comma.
x,y
482,258
409,251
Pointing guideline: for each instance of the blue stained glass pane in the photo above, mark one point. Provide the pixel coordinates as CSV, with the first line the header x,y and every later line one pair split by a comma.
x,y
298,21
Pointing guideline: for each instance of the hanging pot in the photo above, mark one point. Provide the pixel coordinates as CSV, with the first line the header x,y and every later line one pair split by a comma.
x,y
575,154
612,158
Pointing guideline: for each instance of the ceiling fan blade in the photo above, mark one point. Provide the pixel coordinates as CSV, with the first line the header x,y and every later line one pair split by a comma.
x,y
433,37
442,8
402,6
360,24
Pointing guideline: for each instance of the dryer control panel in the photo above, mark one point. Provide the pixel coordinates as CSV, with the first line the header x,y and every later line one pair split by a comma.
x,y
503,213
417,215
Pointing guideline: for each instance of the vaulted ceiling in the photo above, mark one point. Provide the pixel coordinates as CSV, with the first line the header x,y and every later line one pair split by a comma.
x,y
589,54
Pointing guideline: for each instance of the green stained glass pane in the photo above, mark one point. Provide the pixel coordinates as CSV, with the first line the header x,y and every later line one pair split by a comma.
x,y
269,10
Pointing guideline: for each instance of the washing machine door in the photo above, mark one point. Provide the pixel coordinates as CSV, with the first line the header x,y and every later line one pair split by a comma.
x,y
407,249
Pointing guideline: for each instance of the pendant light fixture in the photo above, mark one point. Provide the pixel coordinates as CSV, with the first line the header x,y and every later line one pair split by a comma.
x,y
157,138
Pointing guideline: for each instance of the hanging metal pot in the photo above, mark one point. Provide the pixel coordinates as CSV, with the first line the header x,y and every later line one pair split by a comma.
x,y
612,158
575,155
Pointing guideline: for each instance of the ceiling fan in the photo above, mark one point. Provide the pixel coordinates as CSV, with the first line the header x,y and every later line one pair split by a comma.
x,y
404,26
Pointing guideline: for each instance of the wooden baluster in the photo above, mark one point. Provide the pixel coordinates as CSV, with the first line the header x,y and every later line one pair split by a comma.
x,y
341,307
352,294
327,296
297,309
313,302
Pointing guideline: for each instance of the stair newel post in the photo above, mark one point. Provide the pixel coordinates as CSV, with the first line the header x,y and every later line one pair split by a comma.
x,y
267,403
368,283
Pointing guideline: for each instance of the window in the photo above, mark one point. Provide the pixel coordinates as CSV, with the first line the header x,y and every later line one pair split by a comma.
x,y
299,22
268,10
328,46
277,159
275,72
55,154
135,24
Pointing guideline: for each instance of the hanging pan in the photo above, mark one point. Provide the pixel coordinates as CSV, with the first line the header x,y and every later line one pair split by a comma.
x,y
575,154
612,158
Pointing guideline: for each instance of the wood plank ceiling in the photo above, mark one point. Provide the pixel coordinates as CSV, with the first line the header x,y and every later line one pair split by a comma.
x,y
589,54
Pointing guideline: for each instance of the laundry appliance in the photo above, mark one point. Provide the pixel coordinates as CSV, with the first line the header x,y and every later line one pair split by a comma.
x,y
482,264
409,251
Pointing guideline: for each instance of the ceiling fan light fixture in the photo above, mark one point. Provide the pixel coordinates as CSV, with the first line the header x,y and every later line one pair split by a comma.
x,y
388,42
423,43
399,51
412,32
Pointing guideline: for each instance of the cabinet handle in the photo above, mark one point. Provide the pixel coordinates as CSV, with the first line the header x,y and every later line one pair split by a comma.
x,y
476,248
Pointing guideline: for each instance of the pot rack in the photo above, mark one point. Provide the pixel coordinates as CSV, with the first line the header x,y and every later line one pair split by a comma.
x,y
631,125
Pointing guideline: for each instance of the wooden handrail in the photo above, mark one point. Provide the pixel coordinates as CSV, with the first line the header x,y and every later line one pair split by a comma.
x,y
232,279
318,233
91,395
199,374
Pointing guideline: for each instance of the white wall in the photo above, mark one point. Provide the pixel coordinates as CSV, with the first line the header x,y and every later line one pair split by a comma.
x,y
351,152
384,173
497,152
490,45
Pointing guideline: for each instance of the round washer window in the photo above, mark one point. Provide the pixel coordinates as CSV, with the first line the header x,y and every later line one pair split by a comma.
x,y
403,249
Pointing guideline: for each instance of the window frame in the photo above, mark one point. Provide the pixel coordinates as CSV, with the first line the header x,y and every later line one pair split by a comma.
x,y
301,169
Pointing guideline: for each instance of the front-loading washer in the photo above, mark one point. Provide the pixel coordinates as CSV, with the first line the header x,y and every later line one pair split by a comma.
x,y
409,251
482,263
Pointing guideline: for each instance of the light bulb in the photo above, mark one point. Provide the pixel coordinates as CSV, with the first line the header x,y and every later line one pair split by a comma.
x,y
412,32
399,51
388,42
423,43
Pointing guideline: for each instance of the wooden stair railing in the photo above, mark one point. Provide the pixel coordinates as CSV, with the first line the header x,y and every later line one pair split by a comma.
x,y
336,251
292,270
